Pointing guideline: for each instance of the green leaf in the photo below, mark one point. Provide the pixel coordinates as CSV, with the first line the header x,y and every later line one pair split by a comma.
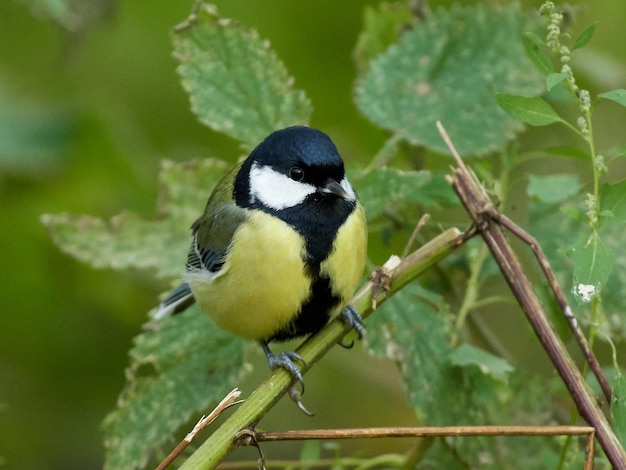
x,y
553,188
619,96
132,241
448,70
531,110
533,47
574,152
385,187
618,406
554,79
488,364
585,36
411,329
613,203
593,260
178,367
382,26
236,83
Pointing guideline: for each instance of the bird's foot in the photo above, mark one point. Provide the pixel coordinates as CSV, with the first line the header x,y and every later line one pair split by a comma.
x,y
352,319
286,360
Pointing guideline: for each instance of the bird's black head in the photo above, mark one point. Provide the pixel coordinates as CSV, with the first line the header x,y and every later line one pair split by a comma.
x,y
298,175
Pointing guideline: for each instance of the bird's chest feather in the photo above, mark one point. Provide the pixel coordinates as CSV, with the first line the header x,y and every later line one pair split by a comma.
x,y
262,283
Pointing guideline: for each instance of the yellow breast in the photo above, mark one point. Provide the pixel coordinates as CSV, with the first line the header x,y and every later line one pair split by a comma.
x,y
262,284
344,266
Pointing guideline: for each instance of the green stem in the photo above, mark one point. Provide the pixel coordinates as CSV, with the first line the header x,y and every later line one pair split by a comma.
x,y
472,290
224,439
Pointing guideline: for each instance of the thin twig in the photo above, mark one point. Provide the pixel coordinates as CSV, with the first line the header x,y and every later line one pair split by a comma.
x,y
420,223
565,308
481,210
421,431
228,401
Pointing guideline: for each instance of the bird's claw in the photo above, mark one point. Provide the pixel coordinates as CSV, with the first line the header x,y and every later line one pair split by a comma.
x,y
286,360
296,396
352,319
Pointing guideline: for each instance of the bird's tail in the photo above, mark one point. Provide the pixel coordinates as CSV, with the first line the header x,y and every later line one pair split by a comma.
x,y
177,301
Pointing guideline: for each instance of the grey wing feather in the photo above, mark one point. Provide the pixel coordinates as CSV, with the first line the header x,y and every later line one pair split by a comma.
x,y
211,237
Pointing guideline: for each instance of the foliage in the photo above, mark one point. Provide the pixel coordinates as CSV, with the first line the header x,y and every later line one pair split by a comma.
x,y
236,82
169,368
460,56
471,68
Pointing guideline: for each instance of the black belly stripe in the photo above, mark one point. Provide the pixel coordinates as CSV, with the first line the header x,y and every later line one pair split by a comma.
x,y
313,315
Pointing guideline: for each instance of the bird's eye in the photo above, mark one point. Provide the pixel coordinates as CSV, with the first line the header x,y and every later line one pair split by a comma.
x,y
296,173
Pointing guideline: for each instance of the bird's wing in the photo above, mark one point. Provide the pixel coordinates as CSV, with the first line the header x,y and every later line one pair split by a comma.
x,y
212,235
211,238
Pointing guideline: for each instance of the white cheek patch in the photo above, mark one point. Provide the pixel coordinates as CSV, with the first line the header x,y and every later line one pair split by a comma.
x,y
347,187
275,190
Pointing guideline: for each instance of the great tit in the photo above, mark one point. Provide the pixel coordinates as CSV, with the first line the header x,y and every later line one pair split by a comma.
x,y
280,247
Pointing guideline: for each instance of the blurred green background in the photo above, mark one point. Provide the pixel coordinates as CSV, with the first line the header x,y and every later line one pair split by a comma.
x,y
87,111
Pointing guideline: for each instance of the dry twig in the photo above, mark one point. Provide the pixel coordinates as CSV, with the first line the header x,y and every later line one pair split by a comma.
x,y
228,401
481,211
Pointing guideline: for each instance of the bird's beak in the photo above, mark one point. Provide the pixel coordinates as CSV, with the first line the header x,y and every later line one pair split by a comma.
x,y
331,187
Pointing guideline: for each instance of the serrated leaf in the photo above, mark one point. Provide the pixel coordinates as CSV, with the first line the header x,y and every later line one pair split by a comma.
x,y
448,70
179,367
382,26
533,47
132,241
593,260
613,202
619,96
585,36
382,187
553,188
554,79
618,406
529,109
411,329
488,364
236,83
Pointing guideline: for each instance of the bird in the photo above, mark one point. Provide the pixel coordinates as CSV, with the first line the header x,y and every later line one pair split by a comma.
x,y
280,248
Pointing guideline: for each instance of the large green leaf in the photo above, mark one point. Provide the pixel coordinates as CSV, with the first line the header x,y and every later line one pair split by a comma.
x,y
488,364
552,188
412,329
236,83
178,367
383,187
382,26
133,241
448,68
